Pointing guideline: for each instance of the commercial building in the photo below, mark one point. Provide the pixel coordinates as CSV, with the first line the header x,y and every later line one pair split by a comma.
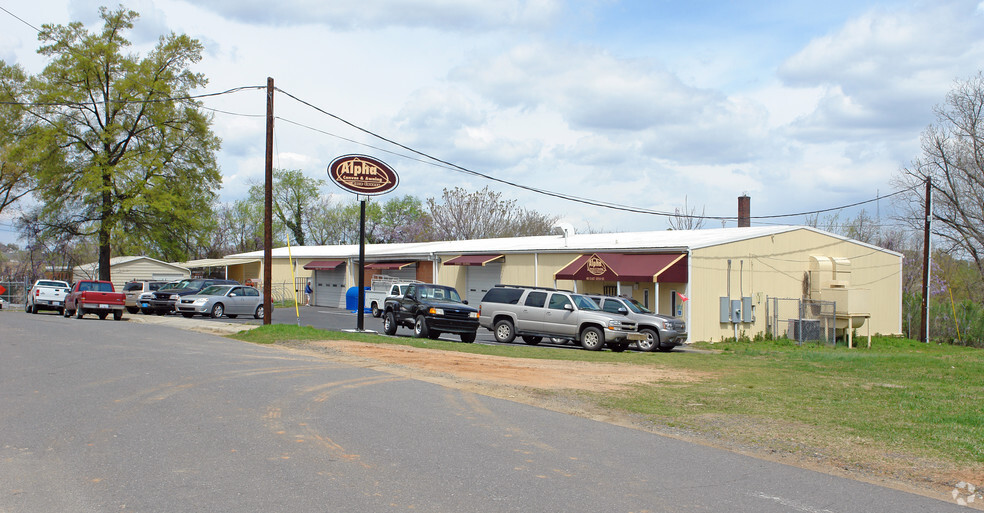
x,y
723,282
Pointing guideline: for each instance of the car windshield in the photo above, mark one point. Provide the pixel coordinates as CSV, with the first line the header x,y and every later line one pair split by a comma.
x,y
188,284
440,294
215,290
584,302
636,306
171,285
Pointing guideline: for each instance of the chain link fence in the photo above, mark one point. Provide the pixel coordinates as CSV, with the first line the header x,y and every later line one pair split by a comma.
x,y
801,320
15,292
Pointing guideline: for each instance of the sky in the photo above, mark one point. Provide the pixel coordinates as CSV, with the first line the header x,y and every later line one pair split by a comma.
x,y
652,105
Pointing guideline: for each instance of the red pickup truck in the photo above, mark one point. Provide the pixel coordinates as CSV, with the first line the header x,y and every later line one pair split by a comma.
x,y
96,297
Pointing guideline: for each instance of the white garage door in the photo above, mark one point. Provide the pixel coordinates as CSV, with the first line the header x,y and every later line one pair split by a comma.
x,y
480,279
408,273
329,288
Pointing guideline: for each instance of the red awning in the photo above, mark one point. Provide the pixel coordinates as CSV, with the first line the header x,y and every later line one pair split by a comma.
x,y
472,259
388,266
323,265
662,268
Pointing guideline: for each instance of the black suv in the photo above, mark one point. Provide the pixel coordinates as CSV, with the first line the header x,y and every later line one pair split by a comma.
x,y
431,310
164,299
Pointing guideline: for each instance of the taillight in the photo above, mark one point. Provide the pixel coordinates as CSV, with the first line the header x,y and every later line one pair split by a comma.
x,y
37,292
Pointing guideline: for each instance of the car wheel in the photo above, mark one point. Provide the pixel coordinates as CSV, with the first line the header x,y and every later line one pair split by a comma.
x,y
61,311
188,315
27,307
434,335
532,340
592,339
376,312
132,309
650,343
420,327
79,313
159,312
389,324
504,331
665,349
66,312
217,310
258,314
468,338
117,315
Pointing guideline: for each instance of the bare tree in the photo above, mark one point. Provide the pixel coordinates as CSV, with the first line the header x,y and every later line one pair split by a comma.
x,y
953,156
688,218
461,215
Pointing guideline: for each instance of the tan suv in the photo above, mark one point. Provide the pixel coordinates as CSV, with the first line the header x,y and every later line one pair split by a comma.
x,y
133,289
537,312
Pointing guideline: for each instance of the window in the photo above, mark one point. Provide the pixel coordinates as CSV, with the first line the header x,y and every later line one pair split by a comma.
x,y
645,298
610,290
559,301
673,303
537,299
612,306
503,295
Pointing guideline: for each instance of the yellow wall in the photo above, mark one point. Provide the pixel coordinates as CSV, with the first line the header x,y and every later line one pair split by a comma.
x,y
774,266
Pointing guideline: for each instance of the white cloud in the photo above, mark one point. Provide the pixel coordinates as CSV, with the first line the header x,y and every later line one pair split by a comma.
x,y
373,14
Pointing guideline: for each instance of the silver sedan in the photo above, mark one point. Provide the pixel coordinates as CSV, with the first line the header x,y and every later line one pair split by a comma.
x,y
218,300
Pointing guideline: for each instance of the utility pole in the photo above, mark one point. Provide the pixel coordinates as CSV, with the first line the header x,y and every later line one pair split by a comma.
x,y
268,212
927,255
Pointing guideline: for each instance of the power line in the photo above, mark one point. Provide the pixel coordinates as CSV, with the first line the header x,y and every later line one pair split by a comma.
x,y
587,201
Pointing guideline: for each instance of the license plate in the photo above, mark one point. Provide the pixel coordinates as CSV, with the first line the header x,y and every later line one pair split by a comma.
x,y
637,336
145,305
103,306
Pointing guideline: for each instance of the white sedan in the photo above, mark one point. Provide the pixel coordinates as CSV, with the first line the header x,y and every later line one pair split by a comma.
x,y
218,300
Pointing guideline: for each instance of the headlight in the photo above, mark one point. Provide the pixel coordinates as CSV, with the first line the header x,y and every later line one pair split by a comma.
x,y
201,301
175,297
613,324
665,325
473,315
436,311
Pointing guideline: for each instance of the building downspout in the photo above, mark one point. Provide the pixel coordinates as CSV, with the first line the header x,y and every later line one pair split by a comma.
x,y
536,269
687,316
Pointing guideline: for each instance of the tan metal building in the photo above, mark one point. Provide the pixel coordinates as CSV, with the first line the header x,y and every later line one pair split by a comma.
x,y
723,282
129,268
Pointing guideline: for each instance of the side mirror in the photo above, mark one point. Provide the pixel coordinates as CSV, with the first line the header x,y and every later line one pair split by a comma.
x,y
623,311
569,307
465,301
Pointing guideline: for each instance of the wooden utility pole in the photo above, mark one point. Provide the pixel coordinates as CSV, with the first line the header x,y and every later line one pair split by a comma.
x,y
268,212
927,255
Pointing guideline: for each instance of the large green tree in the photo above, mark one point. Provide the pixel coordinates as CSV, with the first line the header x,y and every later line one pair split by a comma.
x,y
293,197
137,156
16,178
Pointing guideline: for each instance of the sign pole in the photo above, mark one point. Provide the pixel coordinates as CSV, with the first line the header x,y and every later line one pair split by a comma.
x,y
365,176
361,323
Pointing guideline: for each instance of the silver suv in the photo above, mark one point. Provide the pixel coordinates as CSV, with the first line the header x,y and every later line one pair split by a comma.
x,y
537,312
662,332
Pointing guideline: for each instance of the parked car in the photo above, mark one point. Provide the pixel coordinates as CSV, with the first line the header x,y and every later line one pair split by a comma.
x,y
431,310
662,332
47,295
537,312
134,289
218,300
94,296
164,300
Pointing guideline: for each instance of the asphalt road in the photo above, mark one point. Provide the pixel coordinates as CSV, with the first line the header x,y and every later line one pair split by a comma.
x,y
100,416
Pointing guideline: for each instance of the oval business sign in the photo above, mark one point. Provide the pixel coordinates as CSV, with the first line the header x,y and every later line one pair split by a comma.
x,y
362,174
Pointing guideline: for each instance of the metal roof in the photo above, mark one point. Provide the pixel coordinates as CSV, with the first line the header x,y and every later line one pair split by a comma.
x,y
658,241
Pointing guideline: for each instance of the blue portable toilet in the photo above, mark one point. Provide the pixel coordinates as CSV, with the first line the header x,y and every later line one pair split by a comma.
x,y
352,300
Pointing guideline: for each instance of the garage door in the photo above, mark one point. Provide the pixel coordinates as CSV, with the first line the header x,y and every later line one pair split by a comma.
x,y
329,288
480,279
408,273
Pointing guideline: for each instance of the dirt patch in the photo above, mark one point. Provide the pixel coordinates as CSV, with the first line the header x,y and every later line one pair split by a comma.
x,y
564,386
520,372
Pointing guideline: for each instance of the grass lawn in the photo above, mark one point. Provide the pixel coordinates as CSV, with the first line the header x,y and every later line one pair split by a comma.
x,y
900,397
